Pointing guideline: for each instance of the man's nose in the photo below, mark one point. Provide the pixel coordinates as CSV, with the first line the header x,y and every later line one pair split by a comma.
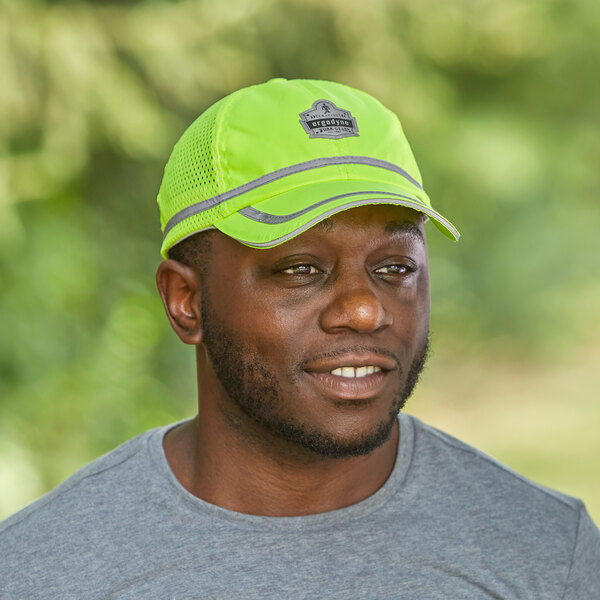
x,y
356,305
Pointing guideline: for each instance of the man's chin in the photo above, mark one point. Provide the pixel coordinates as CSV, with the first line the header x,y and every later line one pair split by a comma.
x,y
328,445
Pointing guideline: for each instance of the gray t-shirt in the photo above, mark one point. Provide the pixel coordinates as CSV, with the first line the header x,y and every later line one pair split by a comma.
x,y
450,522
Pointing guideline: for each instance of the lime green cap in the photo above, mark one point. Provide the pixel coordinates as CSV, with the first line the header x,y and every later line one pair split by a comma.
x,y
269,161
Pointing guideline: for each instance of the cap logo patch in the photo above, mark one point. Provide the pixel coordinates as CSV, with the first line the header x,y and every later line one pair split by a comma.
x,y
326,120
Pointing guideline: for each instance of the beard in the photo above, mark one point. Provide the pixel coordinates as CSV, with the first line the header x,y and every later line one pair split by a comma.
x,y
255,390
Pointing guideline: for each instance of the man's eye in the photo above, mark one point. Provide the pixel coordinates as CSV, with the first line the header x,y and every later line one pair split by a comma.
x,y
393,270
301,270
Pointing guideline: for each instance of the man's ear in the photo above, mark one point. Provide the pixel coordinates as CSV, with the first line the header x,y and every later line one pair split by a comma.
x,y
180,289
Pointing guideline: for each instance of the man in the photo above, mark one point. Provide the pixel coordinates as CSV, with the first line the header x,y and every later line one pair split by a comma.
x,y
293,217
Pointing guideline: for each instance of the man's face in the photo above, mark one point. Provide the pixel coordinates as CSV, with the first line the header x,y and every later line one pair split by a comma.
x,y
319,341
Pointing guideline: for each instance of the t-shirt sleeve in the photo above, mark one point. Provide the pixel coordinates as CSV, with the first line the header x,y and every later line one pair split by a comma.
x,y
583,582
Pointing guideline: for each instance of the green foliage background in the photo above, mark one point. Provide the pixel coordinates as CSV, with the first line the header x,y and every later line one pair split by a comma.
x,y
501,102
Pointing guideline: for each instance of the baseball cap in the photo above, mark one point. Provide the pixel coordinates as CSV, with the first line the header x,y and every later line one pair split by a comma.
x,y
268,161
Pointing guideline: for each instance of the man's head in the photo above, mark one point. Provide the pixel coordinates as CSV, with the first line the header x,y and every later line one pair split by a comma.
x,y
319,340
308,287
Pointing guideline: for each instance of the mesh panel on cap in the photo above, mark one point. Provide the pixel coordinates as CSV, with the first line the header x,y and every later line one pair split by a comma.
x,y
192,176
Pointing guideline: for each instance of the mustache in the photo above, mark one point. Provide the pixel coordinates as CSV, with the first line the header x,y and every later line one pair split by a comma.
x,y
355,349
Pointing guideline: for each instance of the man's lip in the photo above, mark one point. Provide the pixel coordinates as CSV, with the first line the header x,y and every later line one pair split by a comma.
x,y
326,365
349,388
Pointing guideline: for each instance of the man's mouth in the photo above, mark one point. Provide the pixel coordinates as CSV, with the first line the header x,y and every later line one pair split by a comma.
x,y
358,375
352,363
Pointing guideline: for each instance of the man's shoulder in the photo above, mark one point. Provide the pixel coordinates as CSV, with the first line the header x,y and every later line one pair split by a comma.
x,y
471,471
84,490
542,538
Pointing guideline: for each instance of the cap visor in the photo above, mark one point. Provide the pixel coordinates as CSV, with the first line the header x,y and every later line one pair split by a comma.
x,y
279,218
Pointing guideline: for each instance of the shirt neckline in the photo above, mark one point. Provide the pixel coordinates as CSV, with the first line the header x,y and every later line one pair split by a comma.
x,y
177,493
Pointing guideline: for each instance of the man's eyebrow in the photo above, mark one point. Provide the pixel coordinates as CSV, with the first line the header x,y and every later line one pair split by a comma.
x,y
405,227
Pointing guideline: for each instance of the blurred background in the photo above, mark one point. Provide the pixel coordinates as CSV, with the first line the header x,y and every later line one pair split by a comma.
x,y
501,103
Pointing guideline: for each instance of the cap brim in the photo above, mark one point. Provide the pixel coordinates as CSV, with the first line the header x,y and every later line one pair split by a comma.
x,y
275,220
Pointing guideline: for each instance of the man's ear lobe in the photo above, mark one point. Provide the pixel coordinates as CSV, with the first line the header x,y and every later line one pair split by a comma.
x,y
180,289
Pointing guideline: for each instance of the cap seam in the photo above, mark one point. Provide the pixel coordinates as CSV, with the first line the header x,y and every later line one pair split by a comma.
x,y
220,161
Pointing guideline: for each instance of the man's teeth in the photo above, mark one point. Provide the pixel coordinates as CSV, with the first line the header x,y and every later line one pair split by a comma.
x,y
355,371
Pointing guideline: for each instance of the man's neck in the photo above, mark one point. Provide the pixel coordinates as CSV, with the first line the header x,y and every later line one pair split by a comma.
x,y
218,464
